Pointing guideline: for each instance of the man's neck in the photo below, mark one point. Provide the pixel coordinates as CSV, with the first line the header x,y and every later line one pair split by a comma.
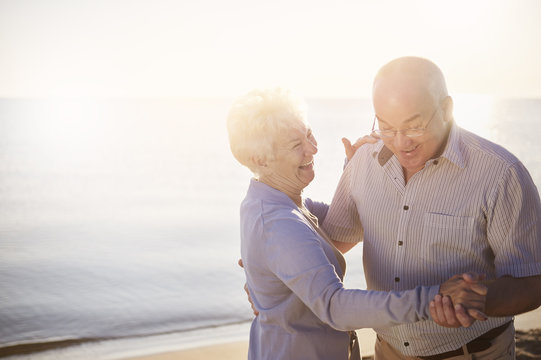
x,y
408,174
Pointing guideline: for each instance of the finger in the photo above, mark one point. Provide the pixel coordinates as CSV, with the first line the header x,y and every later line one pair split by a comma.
x,y
477,314
479,288
250,300
240,263
473,277
432,309
470,277
347,147
463,318
254,310
367,139
440,314
449,312
350,151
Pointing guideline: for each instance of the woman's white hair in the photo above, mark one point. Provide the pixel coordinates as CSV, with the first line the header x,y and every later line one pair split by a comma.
x,y
257,119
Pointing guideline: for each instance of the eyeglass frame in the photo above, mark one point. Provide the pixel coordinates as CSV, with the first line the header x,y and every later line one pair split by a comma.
x,y
421,131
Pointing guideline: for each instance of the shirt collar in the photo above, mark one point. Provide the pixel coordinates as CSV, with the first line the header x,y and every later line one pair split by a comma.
x,y
267,192
452,151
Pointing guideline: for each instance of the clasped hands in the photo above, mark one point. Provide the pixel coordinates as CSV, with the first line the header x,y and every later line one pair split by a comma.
x,y
461,301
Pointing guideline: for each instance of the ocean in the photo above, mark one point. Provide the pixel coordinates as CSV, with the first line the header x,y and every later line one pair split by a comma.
x,y
119,229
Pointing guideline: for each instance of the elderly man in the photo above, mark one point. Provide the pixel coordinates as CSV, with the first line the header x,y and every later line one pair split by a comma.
x,y
431,200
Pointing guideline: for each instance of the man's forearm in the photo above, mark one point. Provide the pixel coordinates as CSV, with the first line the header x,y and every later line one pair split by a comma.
x,y
509,296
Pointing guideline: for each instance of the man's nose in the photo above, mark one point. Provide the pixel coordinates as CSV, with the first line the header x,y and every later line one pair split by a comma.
x,y
401,141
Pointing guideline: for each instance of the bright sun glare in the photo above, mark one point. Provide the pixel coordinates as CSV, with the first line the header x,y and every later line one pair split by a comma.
x,y
213,48
473,112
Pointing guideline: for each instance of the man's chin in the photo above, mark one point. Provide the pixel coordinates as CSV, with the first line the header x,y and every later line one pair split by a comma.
x,y
412,165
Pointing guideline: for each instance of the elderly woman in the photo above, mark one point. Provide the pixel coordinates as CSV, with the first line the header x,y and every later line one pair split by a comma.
x,y
293,272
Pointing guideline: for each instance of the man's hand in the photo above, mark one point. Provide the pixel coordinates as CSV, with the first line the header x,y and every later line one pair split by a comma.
x,y
468,296
248,293
351,149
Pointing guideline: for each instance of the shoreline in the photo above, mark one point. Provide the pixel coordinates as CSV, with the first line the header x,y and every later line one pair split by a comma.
x,y
528,327
128,347
229,342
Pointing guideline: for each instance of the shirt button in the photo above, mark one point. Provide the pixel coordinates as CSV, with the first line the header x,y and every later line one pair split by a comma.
x,y
396,279
406,344
406,207
400,243
435,162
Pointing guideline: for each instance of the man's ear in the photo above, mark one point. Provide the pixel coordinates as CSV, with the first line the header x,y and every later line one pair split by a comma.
x,y
447,106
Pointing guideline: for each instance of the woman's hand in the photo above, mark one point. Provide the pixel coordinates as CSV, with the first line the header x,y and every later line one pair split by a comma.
x,y
248,293
351,149
469,297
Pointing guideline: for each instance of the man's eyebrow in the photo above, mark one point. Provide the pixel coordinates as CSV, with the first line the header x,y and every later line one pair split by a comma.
x,y
408,120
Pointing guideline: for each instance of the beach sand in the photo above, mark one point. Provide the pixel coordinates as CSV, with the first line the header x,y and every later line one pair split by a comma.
x,y
528,328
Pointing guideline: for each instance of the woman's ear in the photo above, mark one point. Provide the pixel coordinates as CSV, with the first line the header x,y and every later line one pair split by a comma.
x,y
259,165
259,161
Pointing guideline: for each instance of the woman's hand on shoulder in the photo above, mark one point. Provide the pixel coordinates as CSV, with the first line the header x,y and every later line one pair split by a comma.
x,y
352,148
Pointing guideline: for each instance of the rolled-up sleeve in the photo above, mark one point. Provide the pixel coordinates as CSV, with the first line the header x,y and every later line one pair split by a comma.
x,y
513,224
342,222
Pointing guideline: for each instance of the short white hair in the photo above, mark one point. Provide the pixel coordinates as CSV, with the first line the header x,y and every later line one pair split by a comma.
x,y
257,119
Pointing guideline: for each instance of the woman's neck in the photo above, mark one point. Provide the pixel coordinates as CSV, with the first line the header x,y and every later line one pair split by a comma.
x,y
285,187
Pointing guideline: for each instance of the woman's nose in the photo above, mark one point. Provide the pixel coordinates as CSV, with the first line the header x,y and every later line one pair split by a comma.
x,y
312,146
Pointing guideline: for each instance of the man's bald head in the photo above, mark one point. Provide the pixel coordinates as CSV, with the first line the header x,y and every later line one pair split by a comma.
x,y
411,74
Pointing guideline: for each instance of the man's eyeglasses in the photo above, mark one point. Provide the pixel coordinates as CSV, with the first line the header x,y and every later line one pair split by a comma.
x,y
415,132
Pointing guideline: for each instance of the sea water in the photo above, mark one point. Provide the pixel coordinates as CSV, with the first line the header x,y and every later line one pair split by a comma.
x,y
119,217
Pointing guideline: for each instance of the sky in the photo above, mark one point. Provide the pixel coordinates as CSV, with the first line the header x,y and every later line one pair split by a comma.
x,y
200,48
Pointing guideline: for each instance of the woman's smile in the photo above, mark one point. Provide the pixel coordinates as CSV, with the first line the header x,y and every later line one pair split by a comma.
x,y
308,164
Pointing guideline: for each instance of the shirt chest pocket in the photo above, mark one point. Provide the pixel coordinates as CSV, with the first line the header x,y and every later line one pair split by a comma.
x,y
446,239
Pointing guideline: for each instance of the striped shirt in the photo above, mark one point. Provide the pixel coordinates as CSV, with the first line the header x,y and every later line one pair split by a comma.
x,y
475,208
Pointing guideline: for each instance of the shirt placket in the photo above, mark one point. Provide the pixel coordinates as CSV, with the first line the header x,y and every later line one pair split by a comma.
x,y
394,171
404,206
